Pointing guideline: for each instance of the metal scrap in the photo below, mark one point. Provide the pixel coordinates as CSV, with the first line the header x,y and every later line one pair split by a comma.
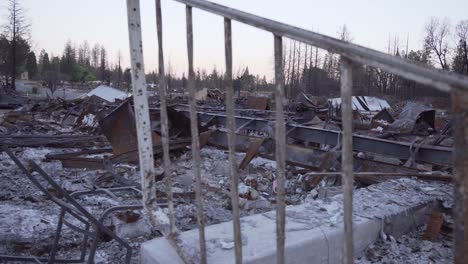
x,y
414,119
119,127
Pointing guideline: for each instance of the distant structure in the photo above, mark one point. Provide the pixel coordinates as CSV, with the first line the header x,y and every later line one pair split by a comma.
x,y
108,93
24,76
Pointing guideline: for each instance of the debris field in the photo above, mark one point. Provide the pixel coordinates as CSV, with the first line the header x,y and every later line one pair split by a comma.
x,y
75,162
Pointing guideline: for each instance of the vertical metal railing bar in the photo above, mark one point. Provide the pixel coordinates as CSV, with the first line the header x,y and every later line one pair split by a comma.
x,y
195,136
460,172
353,53
280,149
347,156
143,126
231,126
164,120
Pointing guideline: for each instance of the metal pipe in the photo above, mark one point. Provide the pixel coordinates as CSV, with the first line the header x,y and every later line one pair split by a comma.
x,y
231,127
280,150
439,79
164,120
347,156
195,136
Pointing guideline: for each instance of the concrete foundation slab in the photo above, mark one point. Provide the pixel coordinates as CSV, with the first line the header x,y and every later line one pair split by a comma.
x,y
314,230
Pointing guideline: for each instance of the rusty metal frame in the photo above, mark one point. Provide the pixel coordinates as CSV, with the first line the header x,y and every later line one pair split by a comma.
x,y
401,150
69,205
350,53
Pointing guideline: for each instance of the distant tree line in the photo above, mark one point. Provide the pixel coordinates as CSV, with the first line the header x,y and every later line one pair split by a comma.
x,y
242,80
306,68
77,64
314,71
81,65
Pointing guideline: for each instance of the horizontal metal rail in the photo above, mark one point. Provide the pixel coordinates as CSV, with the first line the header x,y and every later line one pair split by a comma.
x,y
309,158
401,150
439,79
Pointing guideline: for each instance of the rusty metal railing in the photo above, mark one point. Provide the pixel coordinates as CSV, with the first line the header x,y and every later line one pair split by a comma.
x,y
350,54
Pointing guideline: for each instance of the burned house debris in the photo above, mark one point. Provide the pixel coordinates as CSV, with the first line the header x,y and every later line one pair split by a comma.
x,y
219,177
86,152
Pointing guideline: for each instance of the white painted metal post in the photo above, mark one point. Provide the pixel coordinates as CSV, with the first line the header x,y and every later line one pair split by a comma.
x,y
347,156
164,120
140,98
280,148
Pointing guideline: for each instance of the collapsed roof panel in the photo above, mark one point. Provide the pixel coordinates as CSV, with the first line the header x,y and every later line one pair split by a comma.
x,y
363,103
108,93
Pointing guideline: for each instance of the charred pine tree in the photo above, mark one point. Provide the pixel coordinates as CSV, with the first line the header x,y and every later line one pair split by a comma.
x,y
305,70
16,30
293,71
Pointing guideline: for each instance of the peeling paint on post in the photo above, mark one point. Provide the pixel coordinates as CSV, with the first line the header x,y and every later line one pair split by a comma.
x,y
347,156
140,97
164,120
280,149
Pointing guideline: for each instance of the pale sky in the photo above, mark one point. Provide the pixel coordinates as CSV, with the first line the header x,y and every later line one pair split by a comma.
x,y
370,23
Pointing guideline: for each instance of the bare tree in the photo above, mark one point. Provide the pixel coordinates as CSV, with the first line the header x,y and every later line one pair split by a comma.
x,y
103,66
309,73
86,53
436,40
53,76
305,69
16,28
299,72
288,71
344,34
96,56
83,54
462,50
293,71
119,69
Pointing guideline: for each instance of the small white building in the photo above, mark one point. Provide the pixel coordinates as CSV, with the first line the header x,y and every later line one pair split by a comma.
x,y
24,76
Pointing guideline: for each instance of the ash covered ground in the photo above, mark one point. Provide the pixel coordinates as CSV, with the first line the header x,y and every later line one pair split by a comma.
x,y
28,219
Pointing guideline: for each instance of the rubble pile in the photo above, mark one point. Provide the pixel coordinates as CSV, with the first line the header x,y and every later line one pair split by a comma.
x,y
89,144
409,248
